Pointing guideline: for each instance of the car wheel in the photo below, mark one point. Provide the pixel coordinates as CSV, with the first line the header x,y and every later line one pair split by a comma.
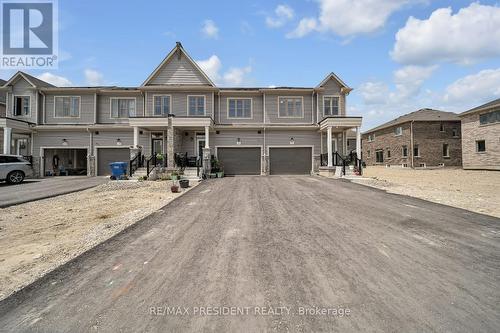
x,y
15,177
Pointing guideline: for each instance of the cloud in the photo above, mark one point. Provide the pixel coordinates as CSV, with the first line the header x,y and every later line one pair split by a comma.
x,y
409,81
349,17
374,93
466,37
283,14
210,30
93,77
475,88
56,80
234,76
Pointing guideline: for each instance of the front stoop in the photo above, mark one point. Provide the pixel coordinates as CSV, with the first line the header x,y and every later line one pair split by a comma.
x,y
329,172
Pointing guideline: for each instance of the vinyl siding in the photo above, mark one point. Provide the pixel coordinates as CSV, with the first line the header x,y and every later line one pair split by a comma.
x,y
178,102
300,137
53,139
104,108
178,71
331,88
86,110
257,109
272,109
24,88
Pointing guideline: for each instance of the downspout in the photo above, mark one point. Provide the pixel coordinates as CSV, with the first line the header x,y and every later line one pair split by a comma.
x,y
144,103
312,108
411,143
317,106
44,118
90,153
95,107
264,151
264,106
218,105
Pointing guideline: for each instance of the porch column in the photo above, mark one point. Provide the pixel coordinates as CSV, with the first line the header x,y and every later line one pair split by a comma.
x,y
207,137
7,139
358,142
207,167
170,144
329,145
136,137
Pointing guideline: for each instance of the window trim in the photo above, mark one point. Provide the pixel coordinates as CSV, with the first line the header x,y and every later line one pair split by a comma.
x,y
14,106
371,137
401,127
418,148
403,150
111,106
293,117
453,130
79,107
329,96
381,151
154,107
488,124
236,98
477,150
204,105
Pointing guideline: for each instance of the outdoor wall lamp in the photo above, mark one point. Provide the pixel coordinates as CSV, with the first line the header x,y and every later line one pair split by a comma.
x,y
292,141
238,141
118,142
64,142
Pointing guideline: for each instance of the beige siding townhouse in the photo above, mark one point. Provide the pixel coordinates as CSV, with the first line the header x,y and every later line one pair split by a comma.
x,y
481,137
179,114
424,138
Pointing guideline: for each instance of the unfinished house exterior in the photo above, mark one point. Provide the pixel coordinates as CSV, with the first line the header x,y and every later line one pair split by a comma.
x,y
481,137
178,111
424,138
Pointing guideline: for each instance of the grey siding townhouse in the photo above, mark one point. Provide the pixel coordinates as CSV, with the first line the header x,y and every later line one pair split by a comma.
x,y
481,137
178,110
424,138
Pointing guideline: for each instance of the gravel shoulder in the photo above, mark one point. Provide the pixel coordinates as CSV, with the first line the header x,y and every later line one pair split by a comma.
x,y
39,236
474,190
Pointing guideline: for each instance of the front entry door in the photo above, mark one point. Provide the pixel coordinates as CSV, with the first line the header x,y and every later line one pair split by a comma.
x,y
157,143
200,145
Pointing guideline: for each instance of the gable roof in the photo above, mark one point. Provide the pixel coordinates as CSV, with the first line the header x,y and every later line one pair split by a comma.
x,y
419,115
179,51
333,76
486,106
35,82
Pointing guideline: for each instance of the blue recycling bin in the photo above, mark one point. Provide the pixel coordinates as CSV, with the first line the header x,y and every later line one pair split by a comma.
x,y
118,170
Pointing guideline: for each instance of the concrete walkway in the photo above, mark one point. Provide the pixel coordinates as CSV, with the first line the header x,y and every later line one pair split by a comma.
x,y
278,254
36,189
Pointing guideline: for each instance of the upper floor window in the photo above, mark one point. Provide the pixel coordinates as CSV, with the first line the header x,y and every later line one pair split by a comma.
x,y
330,106
196,105
454,132
66,106
371,137
239,108
405,151
122,107
161,105
21,105
441,127
398,131
416,151
490,117
290,107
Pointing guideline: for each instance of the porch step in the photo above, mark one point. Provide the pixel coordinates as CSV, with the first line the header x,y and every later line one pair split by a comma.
x,y
191,174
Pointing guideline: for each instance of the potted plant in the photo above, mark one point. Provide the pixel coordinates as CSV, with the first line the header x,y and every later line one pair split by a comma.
x,y
174,175
220,172
174,188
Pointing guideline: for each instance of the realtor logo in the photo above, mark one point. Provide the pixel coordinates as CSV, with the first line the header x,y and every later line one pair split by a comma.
x,y
29,34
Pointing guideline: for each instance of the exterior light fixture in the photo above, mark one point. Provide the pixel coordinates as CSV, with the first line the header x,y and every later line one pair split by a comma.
x,y
238,141
64,142
292,141
118,142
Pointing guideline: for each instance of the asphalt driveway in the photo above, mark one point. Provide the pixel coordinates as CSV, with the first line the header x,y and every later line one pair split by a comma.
x,y
278,254
36,189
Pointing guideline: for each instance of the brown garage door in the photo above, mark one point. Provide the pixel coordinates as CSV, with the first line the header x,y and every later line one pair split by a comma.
x,y
290,161
109,155
240,161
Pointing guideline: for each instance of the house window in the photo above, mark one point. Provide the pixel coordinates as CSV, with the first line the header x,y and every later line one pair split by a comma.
x,y
388,153
196,105
67,106
441,127
489,118
239,108
379,156
371,137
446,150
330,106
405,151
455,132
290,107
122,107
416,151
480,146
398,131
368,153
21,105
161,105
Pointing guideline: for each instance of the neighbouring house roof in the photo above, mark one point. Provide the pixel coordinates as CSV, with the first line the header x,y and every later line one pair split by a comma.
x,y
35,82
419,115
487,106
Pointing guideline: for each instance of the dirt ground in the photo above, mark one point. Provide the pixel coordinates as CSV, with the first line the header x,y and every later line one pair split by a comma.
x,y
39,236
474,190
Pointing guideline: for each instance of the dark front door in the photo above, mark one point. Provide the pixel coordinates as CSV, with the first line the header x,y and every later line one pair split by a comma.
x,y
240,161
157,145
290,161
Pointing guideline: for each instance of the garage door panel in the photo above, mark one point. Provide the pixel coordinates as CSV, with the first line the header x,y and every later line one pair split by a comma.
x,y
110,155
240,161
290,161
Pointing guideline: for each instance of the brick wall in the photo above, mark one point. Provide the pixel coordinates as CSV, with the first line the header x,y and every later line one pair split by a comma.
x,y
427,136
472,131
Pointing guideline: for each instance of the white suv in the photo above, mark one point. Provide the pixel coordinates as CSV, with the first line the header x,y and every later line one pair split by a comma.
x,y
14,168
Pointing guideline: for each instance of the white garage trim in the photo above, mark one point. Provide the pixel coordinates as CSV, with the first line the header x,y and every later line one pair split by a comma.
x,y
294,146
244,146
42,156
